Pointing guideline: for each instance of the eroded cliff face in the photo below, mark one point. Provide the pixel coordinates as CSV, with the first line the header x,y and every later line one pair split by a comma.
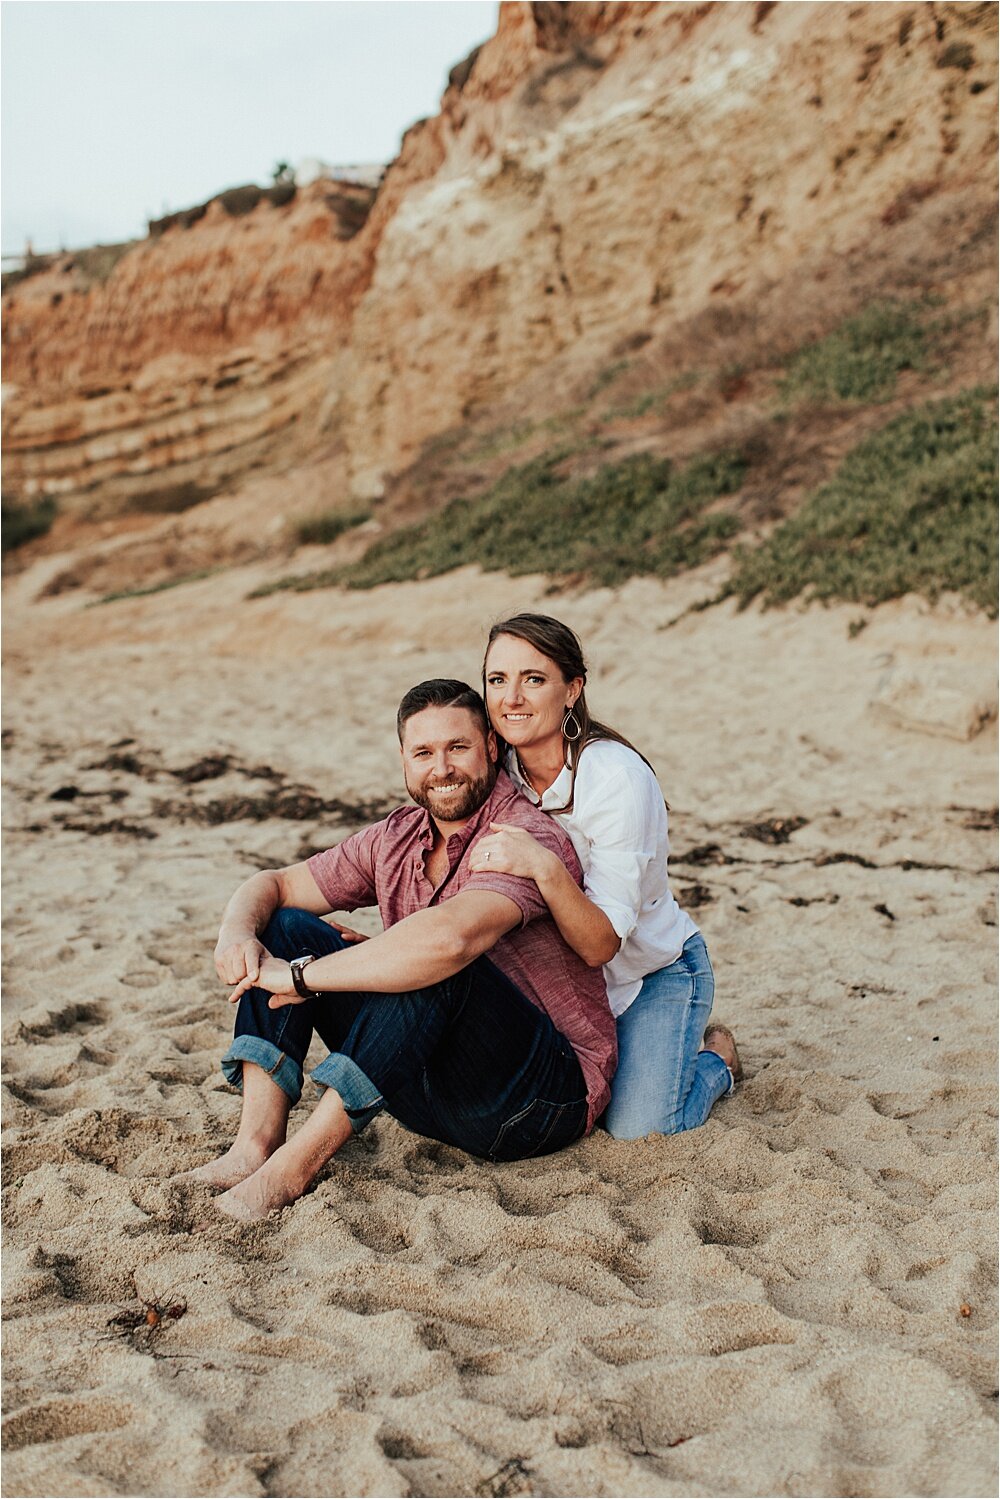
x,y
596,171
205,353
688,156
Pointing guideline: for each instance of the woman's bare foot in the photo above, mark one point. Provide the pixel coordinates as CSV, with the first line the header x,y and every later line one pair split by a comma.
x,y
240,1161
720,1039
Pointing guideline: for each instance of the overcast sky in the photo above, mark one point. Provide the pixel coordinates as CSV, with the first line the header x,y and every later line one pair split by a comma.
x,y
115,111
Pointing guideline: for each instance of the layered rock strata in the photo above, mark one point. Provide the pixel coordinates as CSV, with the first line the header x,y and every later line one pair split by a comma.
x,y
596,171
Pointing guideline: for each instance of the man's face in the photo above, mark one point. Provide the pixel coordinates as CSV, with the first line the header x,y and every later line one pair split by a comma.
x,y
449,767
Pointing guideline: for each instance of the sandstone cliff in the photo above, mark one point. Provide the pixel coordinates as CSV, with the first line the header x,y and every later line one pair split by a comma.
x,y
690,155
202,349
597,173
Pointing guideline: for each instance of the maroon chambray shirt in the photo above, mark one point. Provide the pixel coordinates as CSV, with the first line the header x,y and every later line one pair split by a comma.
x,y
385,865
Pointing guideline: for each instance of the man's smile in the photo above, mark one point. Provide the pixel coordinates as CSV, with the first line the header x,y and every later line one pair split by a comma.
x,y
449,763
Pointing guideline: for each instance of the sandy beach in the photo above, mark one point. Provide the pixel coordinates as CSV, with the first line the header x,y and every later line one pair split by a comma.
x,y
653,284
796,1299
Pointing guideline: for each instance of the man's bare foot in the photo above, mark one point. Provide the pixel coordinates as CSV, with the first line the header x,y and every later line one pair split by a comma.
x,y
275,1184
240,1161
284,1176
720,1039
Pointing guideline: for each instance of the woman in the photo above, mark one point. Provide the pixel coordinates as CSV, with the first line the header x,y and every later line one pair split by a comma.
x,y
605,796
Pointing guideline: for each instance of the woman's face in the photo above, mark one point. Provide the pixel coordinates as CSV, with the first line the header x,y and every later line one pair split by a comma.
x,y
526,695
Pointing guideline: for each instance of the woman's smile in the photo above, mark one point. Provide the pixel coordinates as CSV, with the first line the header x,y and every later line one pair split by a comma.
x,y
526,695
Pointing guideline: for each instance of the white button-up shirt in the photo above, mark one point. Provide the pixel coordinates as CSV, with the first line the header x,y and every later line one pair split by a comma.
x,y
618,826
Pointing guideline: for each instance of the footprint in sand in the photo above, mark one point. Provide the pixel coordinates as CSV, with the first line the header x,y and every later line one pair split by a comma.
x,y
56,1420
626,1345
730,1327
42,1021
183,960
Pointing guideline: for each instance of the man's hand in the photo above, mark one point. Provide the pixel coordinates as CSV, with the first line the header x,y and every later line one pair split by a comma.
x,y
509,849
349,934
238,958
276,976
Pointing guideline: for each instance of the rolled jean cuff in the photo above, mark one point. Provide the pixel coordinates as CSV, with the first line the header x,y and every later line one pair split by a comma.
x,y
359,1095
730,1080
278,1065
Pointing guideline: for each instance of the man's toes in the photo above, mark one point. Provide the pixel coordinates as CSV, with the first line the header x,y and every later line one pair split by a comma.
x,y
196,1174
228,1171
236,1207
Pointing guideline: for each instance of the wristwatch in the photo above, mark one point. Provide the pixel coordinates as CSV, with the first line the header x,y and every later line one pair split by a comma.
x,y
298,982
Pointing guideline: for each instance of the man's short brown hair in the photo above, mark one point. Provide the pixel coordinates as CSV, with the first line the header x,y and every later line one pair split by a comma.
x,y
442,692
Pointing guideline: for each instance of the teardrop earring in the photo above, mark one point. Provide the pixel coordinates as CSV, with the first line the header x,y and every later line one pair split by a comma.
x,y
572,728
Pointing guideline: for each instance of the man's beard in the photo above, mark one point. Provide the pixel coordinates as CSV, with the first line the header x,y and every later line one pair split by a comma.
x,y
463,803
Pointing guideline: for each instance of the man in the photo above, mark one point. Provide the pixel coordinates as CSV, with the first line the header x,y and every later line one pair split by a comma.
x,y
506,1056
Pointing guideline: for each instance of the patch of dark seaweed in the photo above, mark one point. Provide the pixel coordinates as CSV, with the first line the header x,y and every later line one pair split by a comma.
x,y
774,830
291,804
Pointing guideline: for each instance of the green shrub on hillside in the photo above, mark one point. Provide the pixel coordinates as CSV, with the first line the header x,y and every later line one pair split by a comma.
x,y
607,376
94,265
642,404
21,523
319,530
638,516
238,201
149,588
859,360
172,499
913,509
502,440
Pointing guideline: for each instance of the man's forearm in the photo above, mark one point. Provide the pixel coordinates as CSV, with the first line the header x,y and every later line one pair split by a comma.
x,y
423,949
251,907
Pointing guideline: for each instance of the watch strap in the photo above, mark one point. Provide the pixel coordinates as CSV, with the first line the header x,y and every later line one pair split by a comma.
x,y
298,982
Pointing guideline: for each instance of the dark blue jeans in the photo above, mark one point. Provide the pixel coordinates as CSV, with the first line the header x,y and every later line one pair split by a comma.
x,y
469,1060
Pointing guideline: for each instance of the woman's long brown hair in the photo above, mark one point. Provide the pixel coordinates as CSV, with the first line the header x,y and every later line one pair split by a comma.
x,y
562,647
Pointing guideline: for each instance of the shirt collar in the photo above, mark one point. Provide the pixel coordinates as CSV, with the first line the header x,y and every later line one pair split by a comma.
x,y
503,792
556,795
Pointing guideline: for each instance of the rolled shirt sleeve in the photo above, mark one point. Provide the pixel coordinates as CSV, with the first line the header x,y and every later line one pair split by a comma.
x,y
345,874
618,824
623,816
524,892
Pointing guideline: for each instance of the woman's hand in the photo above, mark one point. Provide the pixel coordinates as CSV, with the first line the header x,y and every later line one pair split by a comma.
x,y
512,850
274,975
508,849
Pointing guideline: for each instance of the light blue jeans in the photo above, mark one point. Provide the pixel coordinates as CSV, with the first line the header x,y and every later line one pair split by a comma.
x,y
664,1083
